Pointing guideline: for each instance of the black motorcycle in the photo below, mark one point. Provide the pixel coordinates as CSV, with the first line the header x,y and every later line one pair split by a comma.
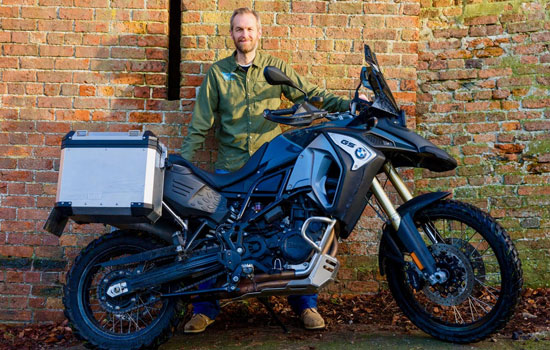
x,y
273,226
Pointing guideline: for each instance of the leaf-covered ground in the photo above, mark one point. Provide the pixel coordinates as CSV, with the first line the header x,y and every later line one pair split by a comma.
x,y
380,312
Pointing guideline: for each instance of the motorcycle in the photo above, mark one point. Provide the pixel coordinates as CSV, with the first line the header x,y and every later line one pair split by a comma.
x,y
273,226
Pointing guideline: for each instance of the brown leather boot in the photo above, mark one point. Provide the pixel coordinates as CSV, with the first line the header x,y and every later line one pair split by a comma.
x,y
311,319
198,323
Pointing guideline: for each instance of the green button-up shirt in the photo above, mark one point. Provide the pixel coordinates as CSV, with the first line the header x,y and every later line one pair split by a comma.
x,y
235,99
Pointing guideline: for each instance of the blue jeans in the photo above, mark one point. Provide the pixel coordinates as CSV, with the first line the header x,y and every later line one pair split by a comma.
x,y
298,303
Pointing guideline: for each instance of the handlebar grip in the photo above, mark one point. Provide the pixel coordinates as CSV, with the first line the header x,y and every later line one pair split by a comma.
x,y
281,111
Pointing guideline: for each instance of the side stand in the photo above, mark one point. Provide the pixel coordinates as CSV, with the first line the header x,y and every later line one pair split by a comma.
x,y
267,305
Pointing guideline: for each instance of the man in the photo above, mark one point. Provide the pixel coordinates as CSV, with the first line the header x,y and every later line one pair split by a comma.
x,y
234,94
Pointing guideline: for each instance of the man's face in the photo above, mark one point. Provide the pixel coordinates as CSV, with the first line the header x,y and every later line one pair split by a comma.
x,y
245,33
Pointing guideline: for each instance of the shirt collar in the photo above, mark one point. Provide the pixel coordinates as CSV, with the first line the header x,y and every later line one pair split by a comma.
x,y
256,62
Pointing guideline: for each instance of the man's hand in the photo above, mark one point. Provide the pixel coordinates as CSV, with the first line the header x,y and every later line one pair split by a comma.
x,y
363,97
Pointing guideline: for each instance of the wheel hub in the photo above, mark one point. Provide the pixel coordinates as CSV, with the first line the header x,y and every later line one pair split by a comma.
x,y
108,300
460,276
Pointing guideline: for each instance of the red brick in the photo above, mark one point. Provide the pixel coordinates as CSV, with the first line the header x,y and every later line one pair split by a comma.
x,y
275,31
93,52
127,104
309,6
17,251
48,316
54,102
148,66
330,20
332,33
525,27
76,13
143,117
21,50
516,81
39,12
56,51
379,8
54,77
14,277
86,90
8,62
7,213
72,64
15,315
537,125
19,75
18,24
157,28
411,9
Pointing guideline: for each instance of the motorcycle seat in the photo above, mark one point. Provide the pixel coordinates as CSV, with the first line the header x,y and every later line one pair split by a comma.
x,y
218,181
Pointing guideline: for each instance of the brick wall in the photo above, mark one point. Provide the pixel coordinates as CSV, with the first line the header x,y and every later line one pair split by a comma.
x,y
484,95
101,65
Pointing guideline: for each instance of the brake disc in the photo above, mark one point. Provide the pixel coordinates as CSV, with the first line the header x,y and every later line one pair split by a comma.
x,y
460,281
476,260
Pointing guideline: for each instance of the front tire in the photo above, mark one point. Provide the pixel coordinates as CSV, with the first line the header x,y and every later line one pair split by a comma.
x,y
138,321
485,275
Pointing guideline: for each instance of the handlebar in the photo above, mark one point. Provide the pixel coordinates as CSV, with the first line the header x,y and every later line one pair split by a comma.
x,y
298,115
285,111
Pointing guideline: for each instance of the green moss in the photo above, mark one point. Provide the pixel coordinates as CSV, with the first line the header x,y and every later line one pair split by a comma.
x,y
466,192
362,263
538,147
492,8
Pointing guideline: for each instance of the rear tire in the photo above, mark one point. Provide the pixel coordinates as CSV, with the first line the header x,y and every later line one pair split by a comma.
x,y
102,328
482,295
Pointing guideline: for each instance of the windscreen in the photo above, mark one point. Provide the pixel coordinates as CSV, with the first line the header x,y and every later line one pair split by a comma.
x,y
383,97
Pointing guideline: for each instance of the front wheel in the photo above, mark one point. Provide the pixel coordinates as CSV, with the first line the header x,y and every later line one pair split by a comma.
x,y
484,275
137,321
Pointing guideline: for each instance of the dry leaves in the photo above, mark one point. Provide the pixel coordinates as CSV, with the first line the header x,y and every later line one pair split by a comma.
x,y
380,311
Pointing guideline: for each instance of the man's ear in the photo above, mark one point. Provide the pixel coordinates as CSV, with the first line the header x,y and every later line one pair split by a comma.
x,y
259,33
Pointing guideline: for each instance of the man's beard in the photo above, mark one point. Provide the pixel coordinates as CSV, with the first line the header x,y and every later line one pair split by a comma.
x,y
245,47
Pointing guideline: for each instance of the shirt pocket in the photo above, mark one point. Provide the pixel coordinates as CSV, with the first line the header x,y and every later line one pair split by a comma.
x,y
263,91
266,96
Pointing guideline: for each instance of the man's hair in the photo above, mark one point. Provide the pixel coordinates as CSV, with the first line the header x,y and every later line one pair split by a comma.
x,y
242,11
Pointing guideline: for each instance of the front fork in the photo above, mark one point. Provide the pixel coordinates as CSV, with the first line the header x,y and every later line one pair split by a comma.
x,y
404,225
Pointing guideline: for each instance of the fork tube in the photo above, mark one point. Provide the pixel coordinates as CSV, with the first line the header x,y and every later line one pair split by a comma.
x,y
386,203
397,182
406,195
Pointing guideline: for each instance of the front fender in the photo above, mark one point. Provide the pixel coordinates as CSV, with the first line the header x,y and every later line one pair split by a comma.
x,y
412,206
390,245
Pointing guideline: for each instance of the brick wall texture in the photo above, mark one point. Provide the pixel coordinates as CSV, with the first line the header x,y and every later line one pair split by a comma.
x,y
473,76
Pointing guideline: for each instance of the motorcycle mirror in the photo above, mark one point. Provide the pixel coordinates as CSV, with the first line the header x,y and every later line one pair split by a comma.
x,y
275,76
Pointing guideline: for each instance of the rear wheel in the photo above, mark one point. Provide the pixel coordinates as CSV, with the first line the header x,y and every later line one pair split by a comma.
x,y
484,275
137,321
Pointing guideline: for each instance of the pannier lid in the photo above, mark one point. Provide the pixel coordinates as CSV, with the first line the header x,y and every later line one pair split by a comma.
x,y
130,139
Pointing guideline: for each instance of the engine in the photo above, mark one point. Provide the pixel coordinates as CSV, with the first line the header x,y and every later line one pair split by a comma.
x,y
275,242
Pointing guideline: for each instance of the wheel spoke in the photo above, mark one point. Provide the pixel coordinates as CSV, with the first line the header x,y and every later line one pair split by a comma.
x,y
457,313
482,304
488,288
472,308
